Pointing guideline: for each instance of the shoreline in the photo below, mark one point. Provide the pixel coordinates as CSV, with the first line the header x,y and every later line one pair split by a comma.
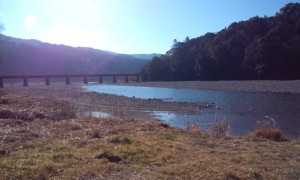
x,y
117,106
269,86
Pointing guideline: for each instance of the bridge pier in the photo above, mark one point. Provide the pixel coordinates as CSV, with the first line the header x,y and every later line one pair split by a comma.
x,y
137,78
115,79
47,81
1,83
67,80
25,82
100,79
85,81
126,78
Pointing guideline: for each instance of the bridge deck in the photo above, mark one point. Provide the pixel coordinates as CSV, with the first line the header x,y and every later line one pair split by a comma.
x,y
67,76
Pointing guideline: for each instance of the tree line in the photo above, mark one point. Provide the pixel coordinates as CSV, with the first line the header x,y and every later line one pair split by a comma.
x,y
259,48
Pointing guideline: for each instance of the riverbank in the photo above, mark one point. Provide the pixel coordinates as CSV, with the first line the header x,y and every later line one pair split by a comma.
x,y
43,137
243,117
292,86
116,106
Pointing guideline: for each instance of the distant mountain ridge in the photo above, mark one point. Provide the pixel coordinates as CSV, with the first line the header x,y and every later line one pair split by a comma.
x,y
19,56
145,56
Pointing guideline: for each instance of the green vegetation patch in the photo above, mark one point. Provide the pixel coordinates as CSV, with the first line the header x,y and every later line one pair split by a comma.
x,y
124,139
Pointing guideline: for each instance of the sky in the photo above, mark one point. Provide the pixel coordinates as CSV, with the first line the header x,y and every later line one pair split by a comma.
x,y
126,26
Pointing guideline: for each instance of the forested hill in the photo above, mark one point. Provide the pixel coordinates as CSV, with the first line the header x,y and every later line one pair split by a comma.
x,y
18,56
259,48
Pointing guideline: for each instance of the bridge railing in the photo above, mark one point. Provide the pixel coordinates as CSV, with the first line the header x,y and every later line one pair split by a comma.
x,y
67,78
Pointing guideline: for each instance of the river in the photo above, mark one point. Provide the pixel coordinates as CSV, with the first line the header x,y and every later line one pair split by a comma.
x,y
243,110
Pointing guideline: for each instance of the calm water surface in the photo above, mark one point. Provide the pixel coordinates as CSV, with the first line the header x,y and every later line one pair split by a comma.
x,y
241,109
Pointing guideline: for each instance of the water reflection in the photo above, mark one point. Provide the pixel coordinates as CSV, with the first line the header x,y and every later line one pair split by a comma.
x,y
181,121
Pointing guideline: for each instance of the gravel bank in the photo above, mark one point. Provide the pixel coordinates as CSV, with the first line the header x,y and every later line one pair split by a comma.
x,y
247,86
119,106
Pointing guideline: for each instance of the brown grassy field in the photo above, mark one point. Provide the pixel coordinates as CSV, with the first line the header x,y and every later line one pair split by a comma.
x,y
44,138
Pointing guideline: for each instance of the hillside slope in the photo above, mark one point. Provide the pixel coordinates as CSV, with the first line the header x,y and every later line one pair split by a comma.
x,y
259,48
20,56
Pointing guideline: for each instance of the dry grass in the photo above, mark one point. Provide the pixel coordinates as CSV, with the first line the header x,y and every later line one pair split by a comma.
x,y
266,129
91,148
191,126
26,108
267,133
220,128
273,134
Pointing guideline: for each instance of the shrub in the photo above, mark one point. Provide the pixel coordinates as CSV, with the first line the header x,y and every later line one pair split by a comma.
x,y
191,126
266,123
220,128
61,110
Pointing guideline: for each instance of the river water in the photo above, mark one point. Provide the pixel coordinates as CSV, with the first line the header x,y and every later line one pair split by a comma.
x,y
243,110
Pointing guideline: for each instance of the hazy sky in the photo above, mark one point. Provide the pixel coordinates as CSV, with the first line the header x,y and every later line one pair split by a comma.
x,y
126,26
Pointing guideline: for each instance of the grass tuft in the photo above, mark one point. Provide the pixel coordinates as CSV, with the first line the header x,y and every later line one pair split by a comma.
x,y
62,156
268,133
147,127
267,129
124,139
192,126
62,110
167,136
220,128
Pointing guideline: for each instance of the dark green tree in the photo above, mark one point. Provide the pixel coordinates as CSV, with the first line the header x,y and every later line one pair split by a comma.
x,y
259,48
